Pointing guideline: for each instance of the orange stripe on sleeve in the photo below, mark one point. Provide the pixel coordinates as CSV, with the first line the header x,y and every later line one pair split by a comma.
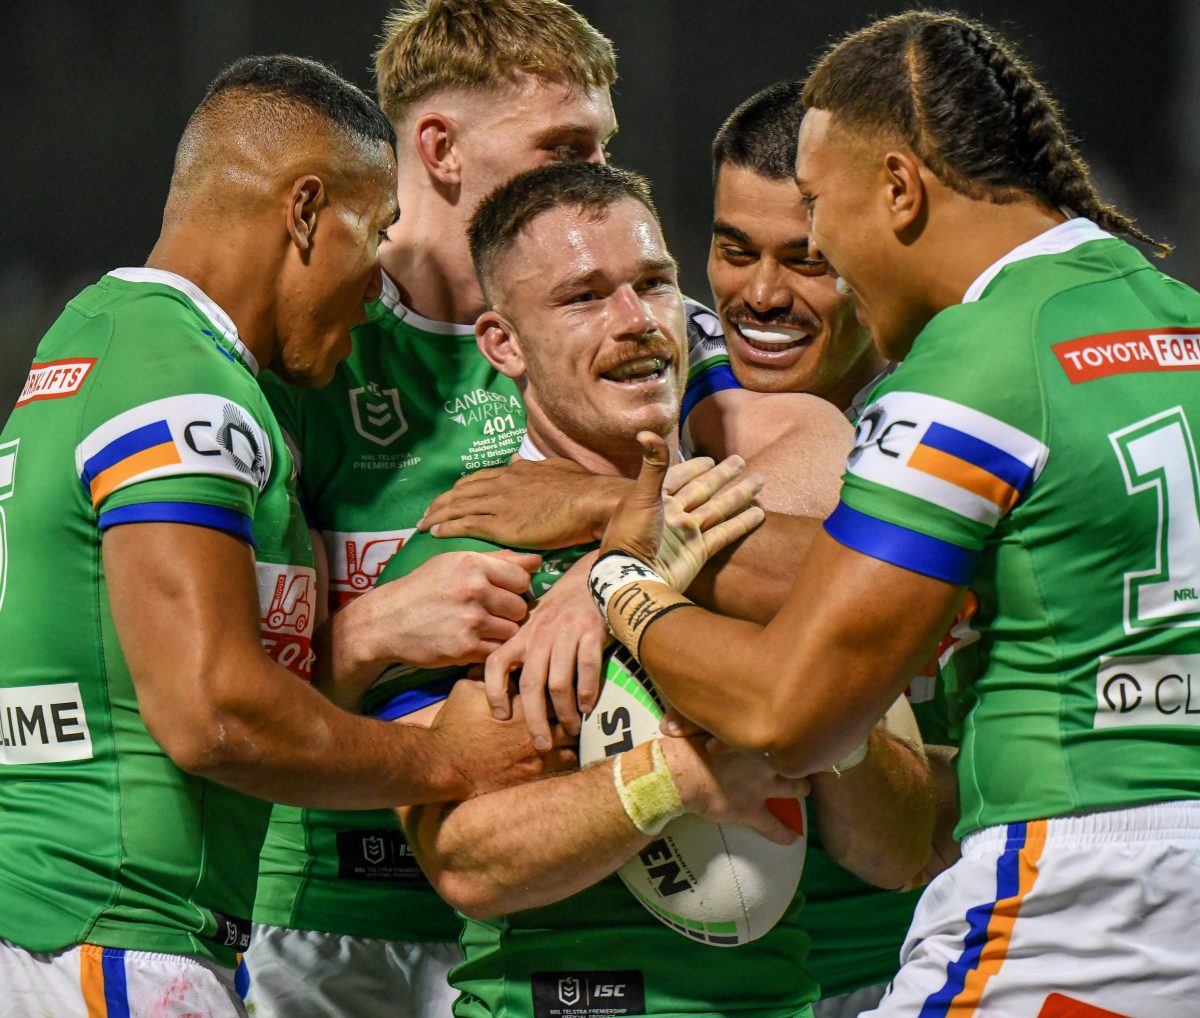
x,y
964,475
104,483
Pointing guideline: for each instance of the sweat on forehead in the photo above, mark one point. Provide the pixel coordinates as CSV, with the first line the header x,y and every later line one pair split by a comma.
x,y
507,211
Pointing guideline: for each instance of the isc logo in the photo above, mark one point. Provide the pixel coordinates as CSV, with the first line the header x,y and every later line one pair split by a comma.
x,y
609,990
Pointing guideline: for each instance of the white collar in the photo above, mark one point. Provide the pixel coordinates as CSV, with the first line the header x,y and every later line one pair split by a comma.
x,y
859,402
210,308
529,451
391,300
1056,240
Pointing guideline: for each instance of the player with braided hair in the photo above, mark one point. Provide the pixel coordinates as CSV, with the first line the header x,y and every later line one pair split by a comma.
x,y
1035,443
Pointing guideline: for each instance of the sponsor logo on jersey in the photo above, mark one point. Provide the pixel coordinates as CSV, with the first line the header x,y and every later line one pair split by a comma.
x,y
377,414
193,434
945,453
287,598
479,404
1119,353
382,854
55,379
1133,692
587,994
43,724
357,558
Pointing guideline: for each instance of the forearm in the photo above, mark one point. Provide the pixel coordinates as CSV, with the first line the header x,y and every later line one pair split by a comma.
x,y
876,819
526,846
751,579
348,659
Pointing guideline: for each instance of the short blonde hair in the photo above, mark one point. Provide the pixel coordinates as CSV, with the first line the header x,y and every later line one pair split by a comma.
x,y
430,45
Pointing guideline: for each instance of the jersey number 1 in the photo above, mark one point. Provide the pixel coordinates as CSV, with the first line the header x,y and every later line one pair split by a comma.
x,y
1158,454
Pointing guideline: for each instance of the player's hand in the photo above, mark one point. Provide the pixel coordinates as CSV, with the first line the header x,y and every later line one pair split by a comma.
x,y
558,650
454,609
490,754
552,503
676,527
731,787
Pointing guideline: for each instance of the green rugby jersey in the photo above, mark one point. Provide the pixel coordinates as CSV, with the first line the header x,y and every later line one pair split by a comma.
x,y
599,952
1037,444
141,406
413,409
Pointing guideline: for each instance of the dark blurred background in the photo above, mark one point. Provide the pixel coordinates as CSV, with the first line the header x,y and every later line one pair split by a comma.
x,y
93,96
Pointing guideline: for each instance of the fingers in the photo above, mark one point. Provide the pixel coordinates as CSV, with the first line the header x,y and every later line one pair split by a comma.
x,y
450,504
724,534
684,473
589,659
510,570
647,489
771,827
677,726
534,671
496,670
703,486
480,525
561,683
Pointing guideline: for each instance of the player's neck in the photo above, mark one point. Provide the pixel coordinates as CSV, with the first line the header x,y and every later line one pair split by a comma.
x,y
428,259
623,459
868,366
221,273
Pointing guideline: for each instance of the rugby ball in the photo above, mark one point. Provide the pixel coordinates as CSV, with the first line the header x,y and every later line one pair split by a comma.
x,y
718,884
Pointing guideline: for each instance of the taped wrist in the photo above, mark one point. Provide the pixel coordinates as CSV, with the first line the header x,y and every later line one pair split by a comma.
x,y
630,596
646,788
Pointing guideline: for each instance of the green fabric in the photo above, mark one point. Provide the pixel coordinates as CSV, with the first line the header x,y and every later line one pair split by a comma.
x,y
414,408
115,845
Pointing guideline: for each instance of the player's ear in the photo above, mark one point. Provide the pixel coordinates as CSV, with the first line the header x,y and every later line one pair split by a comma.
x,y
499,343
904,190
305,201
434,140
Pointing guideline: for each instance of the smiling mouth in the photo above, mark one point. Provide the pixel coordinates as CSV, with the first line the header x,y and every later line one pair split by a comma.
x,y
640,369
771,339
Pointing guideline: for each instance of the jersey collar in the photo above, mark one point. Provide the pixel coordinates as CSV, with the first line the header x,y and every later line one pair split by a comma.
x,y
208,307
1057,240
859,403
529,451
390,298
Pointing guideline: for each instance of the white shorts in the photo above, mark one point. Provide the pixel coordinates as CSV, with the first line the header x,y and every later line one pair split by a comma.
x,y
309,974
1094,916
849,1005
105,982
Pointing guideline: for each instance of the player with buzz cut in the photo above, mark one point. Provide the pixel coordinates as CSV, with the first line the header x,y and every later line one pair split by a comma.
x,y
1036,442
156,581
477,91
586,316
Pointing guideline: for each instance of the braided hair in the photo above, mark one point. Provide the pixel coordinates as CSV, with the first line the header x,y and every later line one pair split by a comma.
x,y
968,106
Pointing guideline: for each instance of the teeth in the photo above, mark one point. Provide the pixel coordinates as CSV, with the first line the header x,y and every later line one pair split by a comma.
x,y
842,287
643,367
773,337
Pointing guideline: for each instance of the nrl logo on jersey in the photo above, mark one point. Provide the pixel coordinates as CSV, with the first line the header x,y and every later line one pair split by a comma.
x,y
377,414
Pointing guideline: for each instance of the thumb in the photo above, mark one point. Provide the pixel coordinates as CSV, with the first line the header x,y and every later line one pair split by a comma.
x,y
647,490
528,561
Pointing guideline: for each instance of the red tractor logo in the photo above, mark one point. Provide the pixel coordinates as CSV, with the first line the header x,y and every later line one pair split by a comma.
x,y
291,604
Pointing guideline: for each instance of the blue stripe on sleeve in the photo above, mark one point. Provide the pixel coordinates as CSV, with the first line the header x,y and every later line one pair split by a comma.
x,y
716,378
413,700
215,517
116,992
983,454
900,546
1008,883
145,437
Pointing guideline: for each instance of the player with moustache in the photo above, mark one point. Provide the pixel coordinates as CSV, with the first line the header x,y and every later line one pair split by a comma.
x,y
156,577
585,314
1042,356
477,90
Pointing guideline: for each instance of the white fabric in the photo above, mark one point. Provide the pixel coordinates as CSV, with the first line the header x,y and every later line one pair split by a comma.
x,y
1108,919
212,310
156,985
529,451
308,974
390,296
1057,240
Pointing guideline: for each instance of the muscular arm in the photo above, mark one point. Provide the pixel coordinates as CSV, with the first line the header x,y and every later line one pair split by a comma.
x,y
185,605
877,819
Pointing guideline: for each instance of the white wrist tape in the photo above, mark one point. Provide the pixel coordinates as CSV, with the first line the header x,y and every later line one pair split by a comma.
x,y
613,571
647,790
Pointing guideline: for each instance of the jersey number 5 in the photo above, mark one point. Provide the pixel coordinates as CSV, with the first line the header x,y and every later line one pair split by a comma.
x,y
1158,454
8,473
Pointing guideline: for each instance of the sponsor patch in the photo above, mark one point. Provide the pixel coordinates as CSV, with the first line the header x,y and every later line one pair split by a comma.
x,y
945,453
179,435
356,558
43,724
1120,353
1133,692
382,854
588,994
287,598
55,379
